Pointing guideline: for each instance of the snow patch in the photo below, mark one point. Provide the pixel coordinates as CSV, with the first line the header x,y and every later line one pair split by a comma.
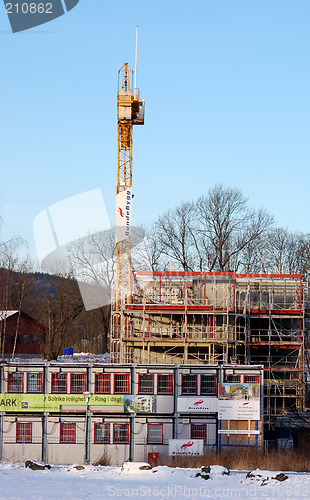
x,y
129,467
215,469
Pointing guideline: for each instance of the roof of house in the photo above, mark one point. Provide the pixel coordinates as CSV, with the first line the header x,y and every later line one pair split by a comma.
x,y
7,314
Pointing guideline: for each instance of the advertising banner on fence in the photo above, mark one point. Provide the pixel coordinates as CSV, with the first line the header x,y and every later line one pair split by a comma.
x,y
185,447
55,402
197,405
239,401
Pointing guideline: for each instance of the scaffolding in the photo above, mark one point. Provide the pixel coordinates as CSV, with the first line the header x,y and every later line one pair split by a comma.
x,y
218,318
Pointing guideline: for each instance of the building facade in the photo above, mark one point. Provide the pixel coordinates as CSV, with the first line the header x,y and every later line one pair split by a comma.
x,y
69,413
20,334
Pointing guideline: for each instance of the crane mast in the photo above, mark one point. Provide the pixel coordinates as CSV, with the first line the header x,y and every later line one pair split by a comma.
x,y
130,111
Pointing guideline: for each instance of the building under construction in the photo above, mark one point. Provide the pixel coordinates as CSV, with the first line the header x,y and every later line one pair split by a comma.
x,y
202,318
218,318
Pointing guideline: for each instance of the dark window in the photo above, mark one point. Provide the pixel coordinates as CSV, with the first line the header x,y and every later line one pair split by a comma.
x,y
102,433
155,433
103,383
16,382
23,432
208,384
251,379
146,384
165,384
67,432
121,383
121,433
78,383
199,431
34,382
59,382
189,384
232,379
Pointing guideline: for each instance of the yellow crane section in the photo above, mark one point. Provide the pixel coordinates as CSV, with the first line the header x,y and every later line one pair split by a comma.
x,y
130,111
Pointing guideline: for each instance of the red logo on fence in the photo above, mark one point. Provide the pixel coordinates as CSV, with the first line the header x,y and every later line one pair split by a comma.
x,y
198,402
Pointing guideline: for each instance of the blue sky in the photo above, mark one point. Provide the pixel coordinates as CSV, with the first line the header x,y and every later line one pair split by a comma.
x,y
226,86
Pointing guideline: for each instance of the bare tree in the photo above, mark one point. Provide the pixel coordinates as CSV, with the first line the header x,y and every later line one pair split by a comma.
x,y
13,281
148,255
93,258
286,252
175,236
304,255
228,226
10,253
252,258
57,306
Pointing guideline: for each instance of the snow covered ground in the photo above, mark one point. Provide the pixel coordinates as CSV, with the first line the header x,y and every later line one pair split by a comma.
x,y
161,483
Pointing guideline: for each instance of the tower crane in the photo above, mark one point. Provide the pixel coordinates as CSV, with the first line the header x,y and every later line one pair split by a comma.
x,y
130,111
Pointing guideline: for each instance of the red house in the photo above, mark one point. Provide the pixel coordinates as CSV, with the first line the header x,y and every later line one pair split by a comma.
x,y
28,333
